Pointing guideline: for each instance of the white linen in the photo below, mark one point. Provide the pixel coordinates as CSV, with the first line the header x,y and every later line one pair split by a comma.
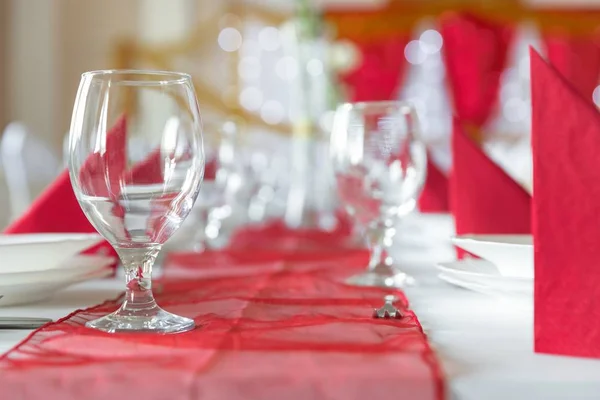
x,y
485,345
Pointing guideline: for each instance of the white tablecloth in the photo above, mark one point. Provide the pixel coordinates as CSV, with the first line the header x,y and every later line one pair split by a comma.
x,y
485,344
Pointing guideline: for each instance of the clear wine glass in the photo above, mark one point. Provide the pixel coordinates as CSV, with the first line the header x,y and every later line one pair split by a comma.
x,y
136,203
380,167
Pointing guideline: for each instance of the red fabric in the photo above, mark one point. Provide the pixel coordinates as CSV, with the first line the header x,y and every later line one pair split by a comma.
x,y
380,71
577,59
475,54
484,199
566,141
276,235
434,198
294,332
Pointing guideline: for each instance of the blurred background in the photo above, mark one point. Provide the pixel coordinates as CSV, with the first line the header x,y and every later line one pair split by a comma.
x,y
279,68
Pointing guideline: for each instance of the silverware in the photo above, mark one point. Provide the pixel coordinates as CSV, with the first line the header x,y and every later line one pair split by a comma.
x,y
388,310
22,322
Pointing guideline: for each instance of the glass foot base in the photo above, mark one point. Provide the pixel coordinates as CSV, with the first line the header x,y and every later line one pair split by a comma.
x,y
157,321
381,276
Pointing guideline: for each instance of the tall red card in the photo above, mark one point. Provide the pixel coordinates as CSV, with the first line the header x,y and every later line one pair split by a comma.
x,y
566,206
483,198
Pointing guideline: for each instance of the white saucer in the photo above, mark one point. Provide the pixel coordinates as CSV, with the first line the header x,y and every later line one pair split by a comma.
x,y
73,268
519,298
27,293
41,251
480,275
511,254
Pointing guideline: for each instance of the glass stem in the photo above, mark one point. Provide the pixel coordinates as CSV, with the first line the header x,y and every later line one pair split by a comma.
x,y
380,236
138,262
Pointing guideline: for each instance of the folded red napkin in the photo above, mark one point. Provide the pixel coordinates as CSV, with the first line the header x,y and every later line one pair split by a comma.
x,y
434,198
483,198
566,205
101,172
577,59
475,52
380,70
57,209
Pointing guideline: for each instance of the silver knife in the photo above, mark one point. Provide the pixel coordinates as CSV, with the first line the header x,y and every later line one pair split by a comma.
x,y
23,322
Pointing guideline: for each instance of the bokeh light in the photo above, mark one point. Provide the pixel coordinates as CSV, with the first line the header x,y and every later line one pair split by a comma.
x,y
230,39
269,38
431,41
249,68
272,112
251,98
315,67
414,54
596,96
287,68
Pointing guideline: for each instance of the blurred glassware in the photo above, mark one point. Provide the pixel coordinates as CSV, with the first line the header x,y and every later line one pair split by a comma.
x,y
270,174
136,206
220,208
29,166
380,168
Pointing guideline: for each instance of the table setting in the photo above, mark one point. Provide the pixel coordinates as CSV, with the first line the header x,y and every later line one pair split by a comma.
x,y
159,263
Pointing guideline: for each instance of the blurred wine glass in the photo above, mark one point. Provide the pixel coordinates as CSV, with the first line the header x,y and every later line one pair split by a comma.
x,y
220,208
380,168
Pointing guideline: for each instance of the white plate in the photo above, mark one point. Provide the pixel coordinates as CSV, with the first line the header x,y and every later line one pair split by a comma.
x,y
511,254
74,267
481,272
517,297
28,293
41,251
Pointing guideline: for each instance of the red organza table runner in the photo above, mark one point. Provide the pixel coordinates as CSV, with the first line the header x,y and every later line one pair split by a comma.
x,y
272,325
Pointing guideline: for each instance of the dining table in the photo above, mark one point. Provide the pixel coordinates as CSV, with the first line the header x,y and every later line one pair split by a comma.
x,y
484,344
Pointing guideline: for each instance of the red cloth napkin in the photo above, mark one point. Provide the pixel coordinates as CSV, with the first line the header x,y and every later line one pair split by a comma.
x,y
475,54
484,199
380,71
577,59
566,205
434,198
100,175
57,209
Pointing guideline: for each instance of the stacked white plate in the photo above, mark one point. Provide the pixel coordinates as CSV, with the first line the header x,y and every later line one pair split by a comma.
x,y
35,266
505,269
